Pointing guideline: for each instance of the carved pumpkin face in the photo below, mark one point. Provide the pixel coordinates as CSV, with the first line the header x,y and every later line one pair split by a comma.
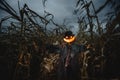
x,y
69,39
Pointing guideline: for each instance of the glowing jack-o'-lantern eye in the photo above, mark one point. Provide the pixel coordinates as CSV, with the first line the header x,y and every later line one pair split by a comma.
x,y
71,36
66,37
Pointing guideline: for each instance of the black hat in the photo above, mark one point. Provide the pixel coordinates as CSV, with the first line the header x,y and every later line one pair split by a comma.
x,y
68,33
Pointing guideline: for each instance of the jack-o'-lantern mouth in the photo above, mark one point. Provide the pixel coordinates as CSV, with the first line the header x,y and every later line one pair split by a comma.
x,y
69,39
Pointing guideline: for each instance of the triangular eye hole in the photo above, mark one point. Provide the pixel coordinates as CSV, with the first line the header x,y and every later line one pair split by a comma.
x,y
66,37
71,36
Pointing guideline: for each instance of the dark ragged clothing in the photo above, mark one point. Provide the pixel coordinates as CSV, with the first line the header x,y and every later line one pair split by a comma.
x,y
71,70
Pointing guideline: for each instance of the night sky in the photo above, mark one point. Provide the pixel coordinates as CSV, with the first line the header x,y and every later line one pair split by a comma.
x,y
61,9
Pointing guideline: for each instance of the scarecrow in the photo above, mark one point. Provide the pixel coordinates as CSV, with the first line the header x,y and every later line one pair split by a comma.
x,y
69,66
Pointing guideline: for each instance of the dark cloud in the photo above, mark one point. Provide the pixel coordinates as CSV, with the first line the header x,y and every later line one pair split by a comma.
x,y
61,9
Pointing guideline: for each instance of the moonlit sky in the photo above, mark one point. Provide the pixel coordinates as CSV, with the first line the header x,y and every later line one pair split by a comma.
x,y
61,9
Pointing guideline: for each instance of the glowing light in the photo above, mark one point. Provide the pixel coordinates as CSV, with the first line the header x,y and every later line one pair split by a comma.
x,y
69,40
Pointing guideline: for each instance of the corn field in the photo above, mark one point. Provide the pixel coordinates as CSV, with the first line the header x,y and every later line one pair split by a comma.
x,y
24,39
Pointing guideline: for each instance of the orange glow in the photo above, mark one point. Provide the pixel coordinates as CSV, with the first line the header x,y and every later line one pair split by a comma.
x,y
69,40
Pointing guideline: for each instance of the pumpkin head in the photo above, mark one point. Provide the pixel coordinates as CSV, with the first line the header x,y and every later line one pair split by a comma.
x,y
69,37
